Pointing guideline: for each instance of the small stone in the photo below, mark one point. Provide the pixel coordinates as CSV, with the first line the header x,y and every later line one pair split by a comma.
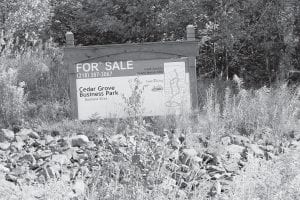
x,y
55,133
232,166
79,140
34,135
217,188
268,148
60,159
23,134
91,145
4,169
4,146
40,162
38,143
16,128
197,159
63,142
188,155
43,154
49,139
190,152
20,170
270,155
11,178
24,131
118,140
79,156
213,168
72,196
75,157
19,139
79,187
49,172
52,171
29,141
174,143
80,151
297,136
234,149
294,144
240,140
225,196
18,145
7,134
256,150
181,194
226,140
217,176
29,158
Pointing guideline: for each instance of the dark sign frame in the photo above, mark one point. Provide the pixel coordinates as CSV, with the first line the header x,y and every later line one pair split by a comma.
x,y
137,51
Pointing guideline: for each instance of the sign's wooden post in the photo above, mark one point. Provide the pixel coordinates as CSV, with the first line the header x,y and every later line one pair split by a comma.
x,y
100,76
72,76
191,36
190,33
69,39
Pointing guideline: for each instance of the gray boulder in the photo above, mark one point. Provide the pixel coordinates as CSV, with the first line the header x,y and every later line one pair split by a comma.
x,y
79,140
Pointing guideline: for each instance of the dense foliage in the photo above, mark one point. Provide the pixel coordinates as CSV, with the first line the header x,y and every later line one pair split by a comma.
x,y
257,40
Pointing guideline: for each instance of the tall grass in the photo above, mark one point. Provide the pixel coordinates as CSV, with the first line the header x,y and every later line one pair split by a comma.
x,y
44,81
274,180
266,113
12,99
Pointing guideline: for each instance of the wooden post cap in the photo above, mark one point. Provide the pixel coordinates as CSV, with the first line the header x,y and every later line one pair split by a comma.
x,y
69,38
190,33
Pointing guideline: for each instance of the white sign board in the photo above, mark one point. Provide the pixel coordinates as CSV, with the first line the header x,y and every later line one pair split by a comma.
x,y
102,87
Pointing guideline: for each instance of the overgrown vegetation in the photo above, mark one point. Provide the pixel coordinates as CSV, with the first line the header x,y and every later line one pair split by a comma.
x,y
260,114
172,157
257,40
12,101
243,143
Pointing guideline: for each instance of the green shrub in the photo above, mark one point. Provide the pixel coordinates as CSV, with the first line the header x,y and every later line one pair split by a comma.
x,y
12,99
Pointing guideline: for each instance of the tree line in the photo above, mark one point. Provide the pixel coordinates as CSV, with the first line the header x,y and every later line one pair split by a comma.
x,y
256,39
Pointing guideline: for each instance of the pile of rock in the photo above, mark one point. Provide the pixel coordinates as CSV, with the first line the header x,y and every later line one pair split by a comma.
x,y
190,166
31,157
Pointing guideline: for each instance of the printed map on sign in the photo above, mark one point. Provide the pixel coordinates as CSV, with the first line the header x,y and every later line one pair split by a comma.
x,y
175,84
101,87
